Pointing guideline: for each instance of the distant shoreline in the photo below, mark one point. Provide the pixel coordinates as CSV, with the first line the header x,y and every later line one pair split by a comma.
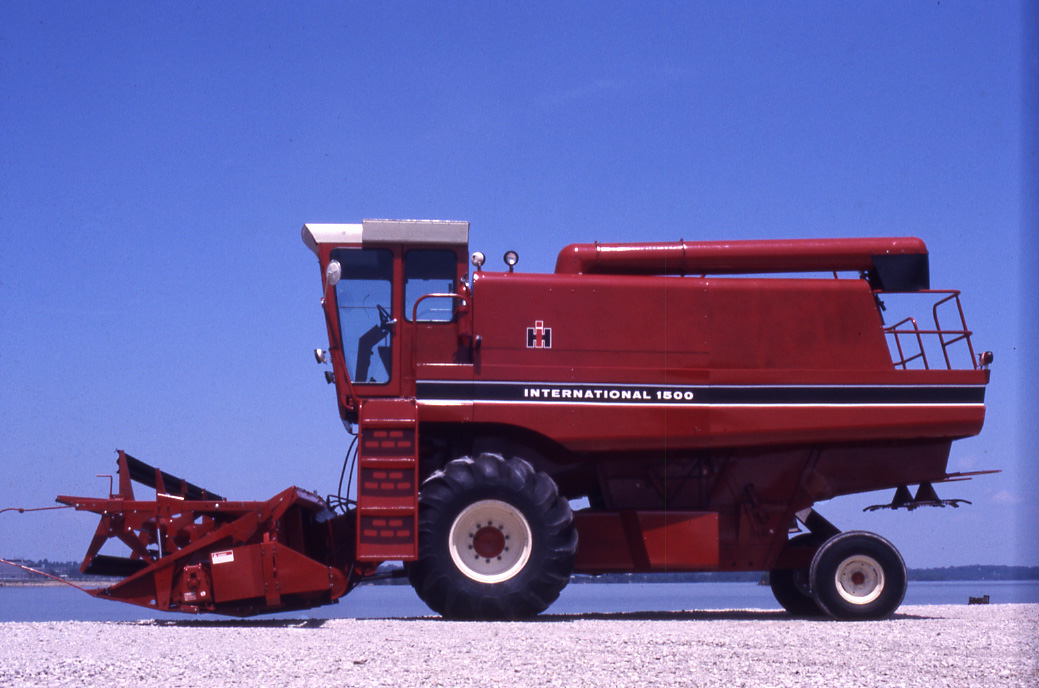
x,y
90,584
976,573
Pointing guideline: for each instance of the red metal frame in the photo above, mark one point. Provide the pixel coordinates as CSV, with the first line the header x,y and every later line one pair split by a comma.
x,y
962,334
214,555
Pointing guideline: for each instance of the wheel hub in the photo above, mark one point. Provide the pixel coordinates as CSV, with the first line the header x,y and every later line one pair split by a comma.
x,y
490,541
860,579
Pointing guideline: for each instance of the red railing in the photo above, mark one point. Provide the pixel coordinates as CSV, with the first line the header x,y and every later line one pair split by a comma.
x,y
908,328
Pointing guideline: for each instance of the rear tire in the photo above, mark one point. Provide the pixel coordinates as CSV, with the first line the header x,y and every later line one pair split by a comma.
x,y
858,576
791,587
496,540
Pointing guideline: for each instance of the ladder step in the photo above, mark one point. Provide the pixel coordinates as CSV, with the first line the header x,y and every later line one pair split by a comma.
x,y
387,481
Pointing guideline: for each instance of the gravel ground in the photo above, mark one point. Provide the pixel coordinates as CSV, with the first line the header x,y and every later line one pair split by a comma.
x,y
994,645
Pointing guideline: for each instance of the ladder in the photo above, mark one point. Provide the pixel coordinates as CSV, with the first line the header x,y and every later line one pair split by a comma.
x,y
387,485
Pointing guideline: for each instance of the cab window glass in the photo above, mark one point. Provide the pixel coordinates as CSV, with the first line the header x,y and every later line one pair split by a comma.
x,y
364,296
430,271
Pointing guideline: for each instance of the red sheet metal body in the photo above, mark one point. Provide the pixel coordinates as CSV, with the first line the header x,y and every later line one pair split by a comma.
x,y
214,555
748,397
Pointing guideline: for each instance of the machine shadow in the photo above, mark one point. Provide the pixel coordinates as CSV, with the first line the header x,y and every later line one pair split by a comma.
x,y
238,623
692,615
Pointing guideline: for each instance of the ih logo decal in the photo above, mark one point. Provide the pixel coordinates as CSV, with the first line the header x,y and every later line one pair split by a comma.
x,y
539,336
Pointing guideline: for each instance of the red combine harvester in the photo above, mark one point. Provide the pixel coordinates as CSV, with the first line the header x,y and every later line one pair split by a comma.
x,y
697,398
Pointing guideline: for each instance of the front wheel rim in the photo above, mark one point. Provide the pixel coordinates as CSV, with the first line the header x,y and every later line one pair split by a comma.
x,y
859,579
490,541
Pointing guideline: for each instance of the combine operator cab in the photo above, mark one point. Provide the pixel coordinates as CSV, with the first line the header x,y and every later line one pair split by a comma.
x,y
396,299
699,398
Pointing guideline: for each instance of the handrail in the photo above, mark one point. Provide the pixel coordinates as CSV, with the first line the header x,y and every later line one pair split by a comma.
x,y
414,308
963,334
903,361
946,337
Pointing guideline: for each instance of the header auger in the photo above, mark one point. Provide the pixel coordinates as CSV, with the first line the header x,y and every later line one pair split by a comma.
x,y
695,398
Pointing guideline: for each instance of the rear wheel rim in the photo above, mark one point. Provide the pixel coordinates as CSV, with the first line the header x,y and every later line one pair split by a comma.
x,y
490,541
859,579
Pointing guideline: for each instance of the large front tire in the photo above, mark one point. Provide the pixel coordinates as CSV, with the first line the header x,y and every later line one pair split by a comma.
x,y
858,576
496,540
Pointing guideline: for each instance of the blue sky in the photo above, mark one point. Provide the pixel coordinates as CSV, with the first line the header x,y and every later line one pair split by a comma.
x,y
157,161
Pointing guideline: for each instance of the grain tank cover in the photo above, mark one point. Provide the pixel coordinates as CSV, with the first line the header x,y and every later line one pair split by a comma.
x,y
386,232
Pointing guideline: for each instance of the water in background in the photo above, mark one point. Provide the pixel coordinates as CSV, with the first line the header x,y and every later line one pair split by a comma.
x,y
394,601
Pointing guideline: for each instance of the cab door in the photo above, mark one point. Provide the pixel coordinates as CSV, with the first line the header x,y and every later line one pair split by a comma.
x,y
437,316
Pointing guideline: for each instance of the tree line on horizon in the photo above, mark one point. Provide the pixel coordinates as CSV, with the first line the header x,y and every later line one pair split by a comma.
x,y
70,570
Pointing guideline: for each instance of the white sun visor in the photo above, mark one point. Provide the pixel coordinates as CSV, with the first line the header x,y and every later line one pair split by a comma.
x,y
386,231
316,233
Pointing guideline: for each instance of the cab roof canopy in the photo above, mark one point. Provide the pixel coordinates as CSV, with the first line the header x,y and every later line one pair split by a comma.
x,y
386,231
